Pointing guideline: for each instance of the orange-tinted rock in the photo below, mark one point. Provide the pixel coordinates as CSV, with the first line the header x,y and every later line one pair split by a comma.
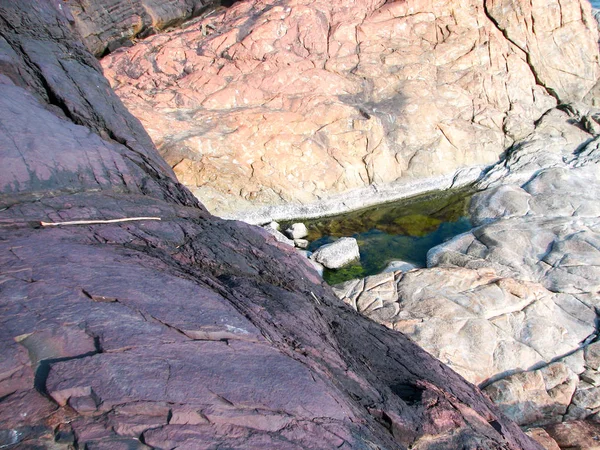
x,y
295,102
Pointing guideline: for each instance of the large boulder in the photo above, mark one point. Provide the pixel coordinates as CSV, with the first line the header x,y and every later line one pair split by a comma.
x,y
294,103
188,331
337,254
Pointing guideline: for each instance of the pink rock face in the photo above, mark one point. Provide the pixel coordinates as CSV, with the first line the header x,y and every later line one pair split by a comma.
x,y
263,104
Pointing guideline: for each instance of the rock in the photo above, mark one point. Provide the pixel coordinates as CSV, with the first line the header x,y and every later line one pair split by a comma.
x,y
576,435
273,229
537,397
301,243
550,39
378,94
591,376
557,141
526,293
337,254
189,331
542,437
482,325
587,397
318,267
273,225
403,266
550,221
592,356
106,25
297,231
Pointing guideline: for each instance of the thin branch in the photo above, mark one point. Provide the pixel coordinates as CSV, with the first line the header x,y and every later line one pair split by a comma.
x,y
91,222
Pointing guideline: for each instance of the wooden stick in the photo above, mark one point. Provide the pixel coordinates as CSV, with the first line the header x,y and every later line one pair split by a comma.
x,y
315,297
91,222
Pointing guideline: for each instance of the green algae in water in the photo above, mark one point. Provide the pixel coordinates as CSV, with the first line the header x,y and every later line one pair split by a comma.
x,y
403,230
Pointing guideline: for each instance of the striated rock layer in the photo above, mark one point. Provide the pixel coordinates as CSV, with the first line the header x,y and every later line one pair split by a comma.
x,y
184,332
271,103
106,25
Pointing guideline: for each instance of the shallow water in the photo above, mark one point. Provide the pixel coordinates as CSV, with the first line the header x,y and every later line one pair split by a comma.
x,y
403,230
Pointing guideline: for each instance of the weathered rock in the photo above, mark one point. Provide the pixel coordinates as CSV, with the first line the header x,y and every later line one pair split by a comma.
x,y
526,293
537,397
314,98
189,331
482,325
592,356
551,217
544,32
576,435
106,25
542,437
337,254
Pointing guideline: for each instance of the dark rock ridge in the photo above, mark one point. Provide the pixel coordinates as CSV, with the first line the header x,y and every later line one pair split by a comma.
x,y
109,24
188,332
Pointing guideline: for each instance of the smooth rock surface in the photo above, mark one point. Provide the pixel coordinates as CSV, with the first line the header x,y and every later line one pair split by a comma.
x,y
294,103
189,331
337,254
297,231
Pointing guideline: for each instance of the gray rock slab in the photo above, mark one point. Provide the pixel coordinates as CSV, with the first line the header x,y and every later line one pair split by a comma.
x,y
337,254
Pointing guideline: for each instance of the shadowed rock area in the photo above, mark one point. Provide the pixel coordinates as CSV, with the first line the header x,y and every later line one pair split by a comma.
x,y
184,332
109,24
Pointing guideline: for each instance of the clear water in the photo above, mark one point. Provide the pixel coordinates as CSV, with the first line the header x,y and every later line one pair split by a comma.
x,y
403,230
595,3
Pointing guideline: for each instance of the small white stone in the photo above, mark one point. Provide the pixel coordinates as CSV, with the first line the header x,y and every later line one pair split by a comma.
x,y
301,243
297,231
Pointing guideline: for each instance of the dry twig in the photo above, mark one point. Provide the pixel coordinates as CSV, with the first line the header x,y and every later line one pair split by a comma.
x,y
92,222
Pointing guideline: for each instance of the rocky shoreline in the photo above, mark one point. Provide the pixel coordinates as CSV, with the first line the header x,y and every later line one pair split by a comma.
x,y
512,305
360,198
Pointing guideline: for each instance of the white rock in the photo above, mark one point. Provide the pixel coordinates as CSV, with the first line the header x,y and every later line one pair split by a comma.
x,y
301,243
272,228
297,231
394,266
273,225
536,397
338,254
